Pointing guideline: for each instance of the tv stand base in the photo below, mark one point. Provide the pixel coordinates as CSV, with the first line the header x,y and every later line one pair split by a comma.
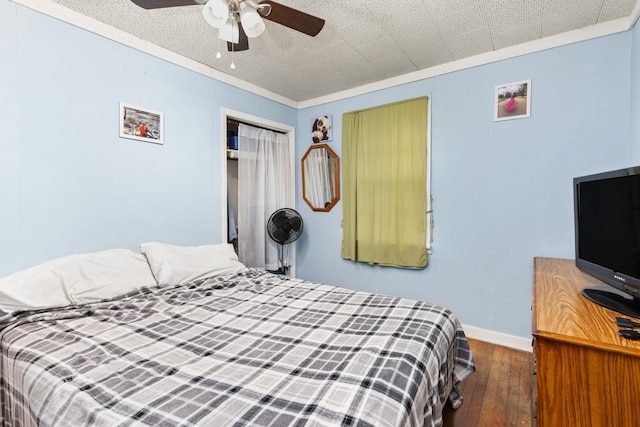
x,y
610,298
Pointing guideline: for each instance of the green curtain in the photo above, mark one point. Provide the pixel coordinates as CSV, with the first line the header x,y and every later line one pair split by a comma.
x,y
384,169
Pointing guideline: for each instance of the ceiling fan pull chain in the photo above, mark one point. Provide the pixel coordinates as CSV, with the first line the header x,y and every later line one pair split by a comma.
x,y
233,65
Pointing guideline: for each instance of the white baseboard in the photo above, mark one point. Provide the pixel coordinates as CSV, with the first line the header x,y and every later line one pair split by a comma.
x,y
498,338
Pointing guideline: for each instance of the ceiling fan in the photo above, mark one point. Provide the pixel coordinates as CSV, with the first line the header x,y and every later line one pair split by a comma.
x,y
239,20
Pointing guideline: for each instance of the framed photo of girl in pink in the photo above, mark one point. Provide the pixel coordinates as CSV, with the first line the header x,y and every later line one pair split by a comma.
x,y
512,100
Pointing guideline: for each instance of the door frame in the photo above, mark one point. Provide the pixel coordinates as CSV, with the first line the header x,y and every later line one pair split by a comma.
x,y
288,130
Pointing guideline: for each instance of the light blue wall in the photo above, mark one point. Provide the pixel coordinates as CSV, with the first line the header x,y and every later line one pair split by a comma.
x,y
502,190
68,183
635,95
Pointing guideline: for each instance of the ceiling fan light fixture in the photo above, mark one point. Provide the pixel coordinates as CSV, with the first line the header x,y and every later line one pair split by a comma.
x,y
216,12
252,23
229,31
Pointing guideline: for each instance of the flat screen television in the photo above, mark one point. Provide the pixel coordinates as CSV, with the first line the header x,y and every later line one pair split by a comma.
x,y
607,237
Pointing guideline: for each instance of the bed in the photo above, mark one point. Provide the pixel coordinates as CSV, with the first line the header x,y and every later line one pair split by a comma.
x,y
242,347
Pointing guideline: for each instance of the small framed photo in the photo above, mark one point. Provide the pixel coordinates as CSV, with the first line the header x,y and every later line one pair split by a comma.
x,y
141,124
512,100
321,129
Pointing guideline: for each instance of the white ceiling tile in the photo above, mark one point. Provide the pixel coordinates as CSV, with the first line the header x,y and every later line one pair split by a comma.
x,y
392,65
410,25
469,44
561,16
360,32
378,49
508,16
432,58
382,11
334,54
446,7
421,46
614,9
464,20
509,36
337,13
357,65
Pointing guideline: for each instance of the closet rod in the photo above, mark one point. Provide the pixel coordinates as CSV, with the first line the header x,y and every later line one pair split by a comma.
x,y
236,123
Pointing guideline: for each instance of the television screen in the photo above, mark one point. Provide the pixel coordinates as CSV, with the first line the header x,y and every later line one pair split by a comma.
x,y
607,232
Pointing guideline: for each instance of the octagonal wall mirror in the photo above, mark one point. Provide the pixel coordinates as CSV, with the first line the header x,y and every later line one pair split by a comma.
x,y
320,177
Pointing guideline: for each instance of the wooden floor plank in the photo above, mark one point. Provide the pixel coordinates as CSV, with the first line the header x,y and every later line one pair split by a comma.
x,y
516,397
495,398
498,394
483,356
526,371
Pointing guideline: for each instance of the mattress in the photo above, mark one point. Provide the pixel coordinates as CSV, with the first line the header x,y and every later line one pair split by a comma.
x,y
245,349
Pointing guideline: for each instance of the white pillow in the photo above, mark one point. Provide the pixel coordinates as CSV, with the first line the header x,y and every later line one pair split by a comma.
x,y
75,279
173,265
36,287
106,274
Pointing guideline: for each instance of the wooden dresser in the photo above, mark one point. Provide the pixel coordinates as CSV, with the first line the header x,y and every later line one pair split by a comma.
x,y
585,374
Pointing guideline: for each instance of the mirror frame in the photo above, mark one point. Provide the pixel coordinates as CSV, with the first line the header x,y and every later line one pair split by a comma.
x,y
336,178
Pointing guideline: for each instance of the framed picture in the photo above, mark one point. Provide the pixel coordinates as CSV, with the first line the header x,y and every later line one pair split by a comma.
x,y
141,124
512,100
321,129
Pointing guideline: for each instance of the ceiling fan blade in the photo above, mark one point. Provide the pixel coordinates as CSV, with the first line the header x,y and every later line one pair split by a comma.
x,y
243,41
293,18
158,4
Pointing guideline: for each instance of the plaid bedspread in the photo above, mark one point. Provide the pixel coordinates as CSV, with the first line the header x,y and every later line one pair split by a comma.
x,y
250,349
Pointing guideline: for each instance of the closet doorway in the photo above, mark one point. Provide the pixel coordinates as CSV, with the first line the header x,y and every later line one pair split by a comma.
x,y
232,180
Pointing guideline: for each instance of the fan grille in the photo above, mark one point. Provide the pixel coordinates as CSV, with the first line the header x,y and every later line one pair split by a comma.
x,y
285,226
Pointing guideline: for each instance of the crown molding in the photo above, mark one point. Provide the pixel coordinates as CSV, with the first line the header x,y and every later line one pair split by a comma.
x,y
635,14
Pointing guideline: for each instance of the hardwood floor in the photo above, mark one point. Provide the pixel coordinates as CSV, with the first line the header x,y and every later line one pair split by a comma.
x,y
498,394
